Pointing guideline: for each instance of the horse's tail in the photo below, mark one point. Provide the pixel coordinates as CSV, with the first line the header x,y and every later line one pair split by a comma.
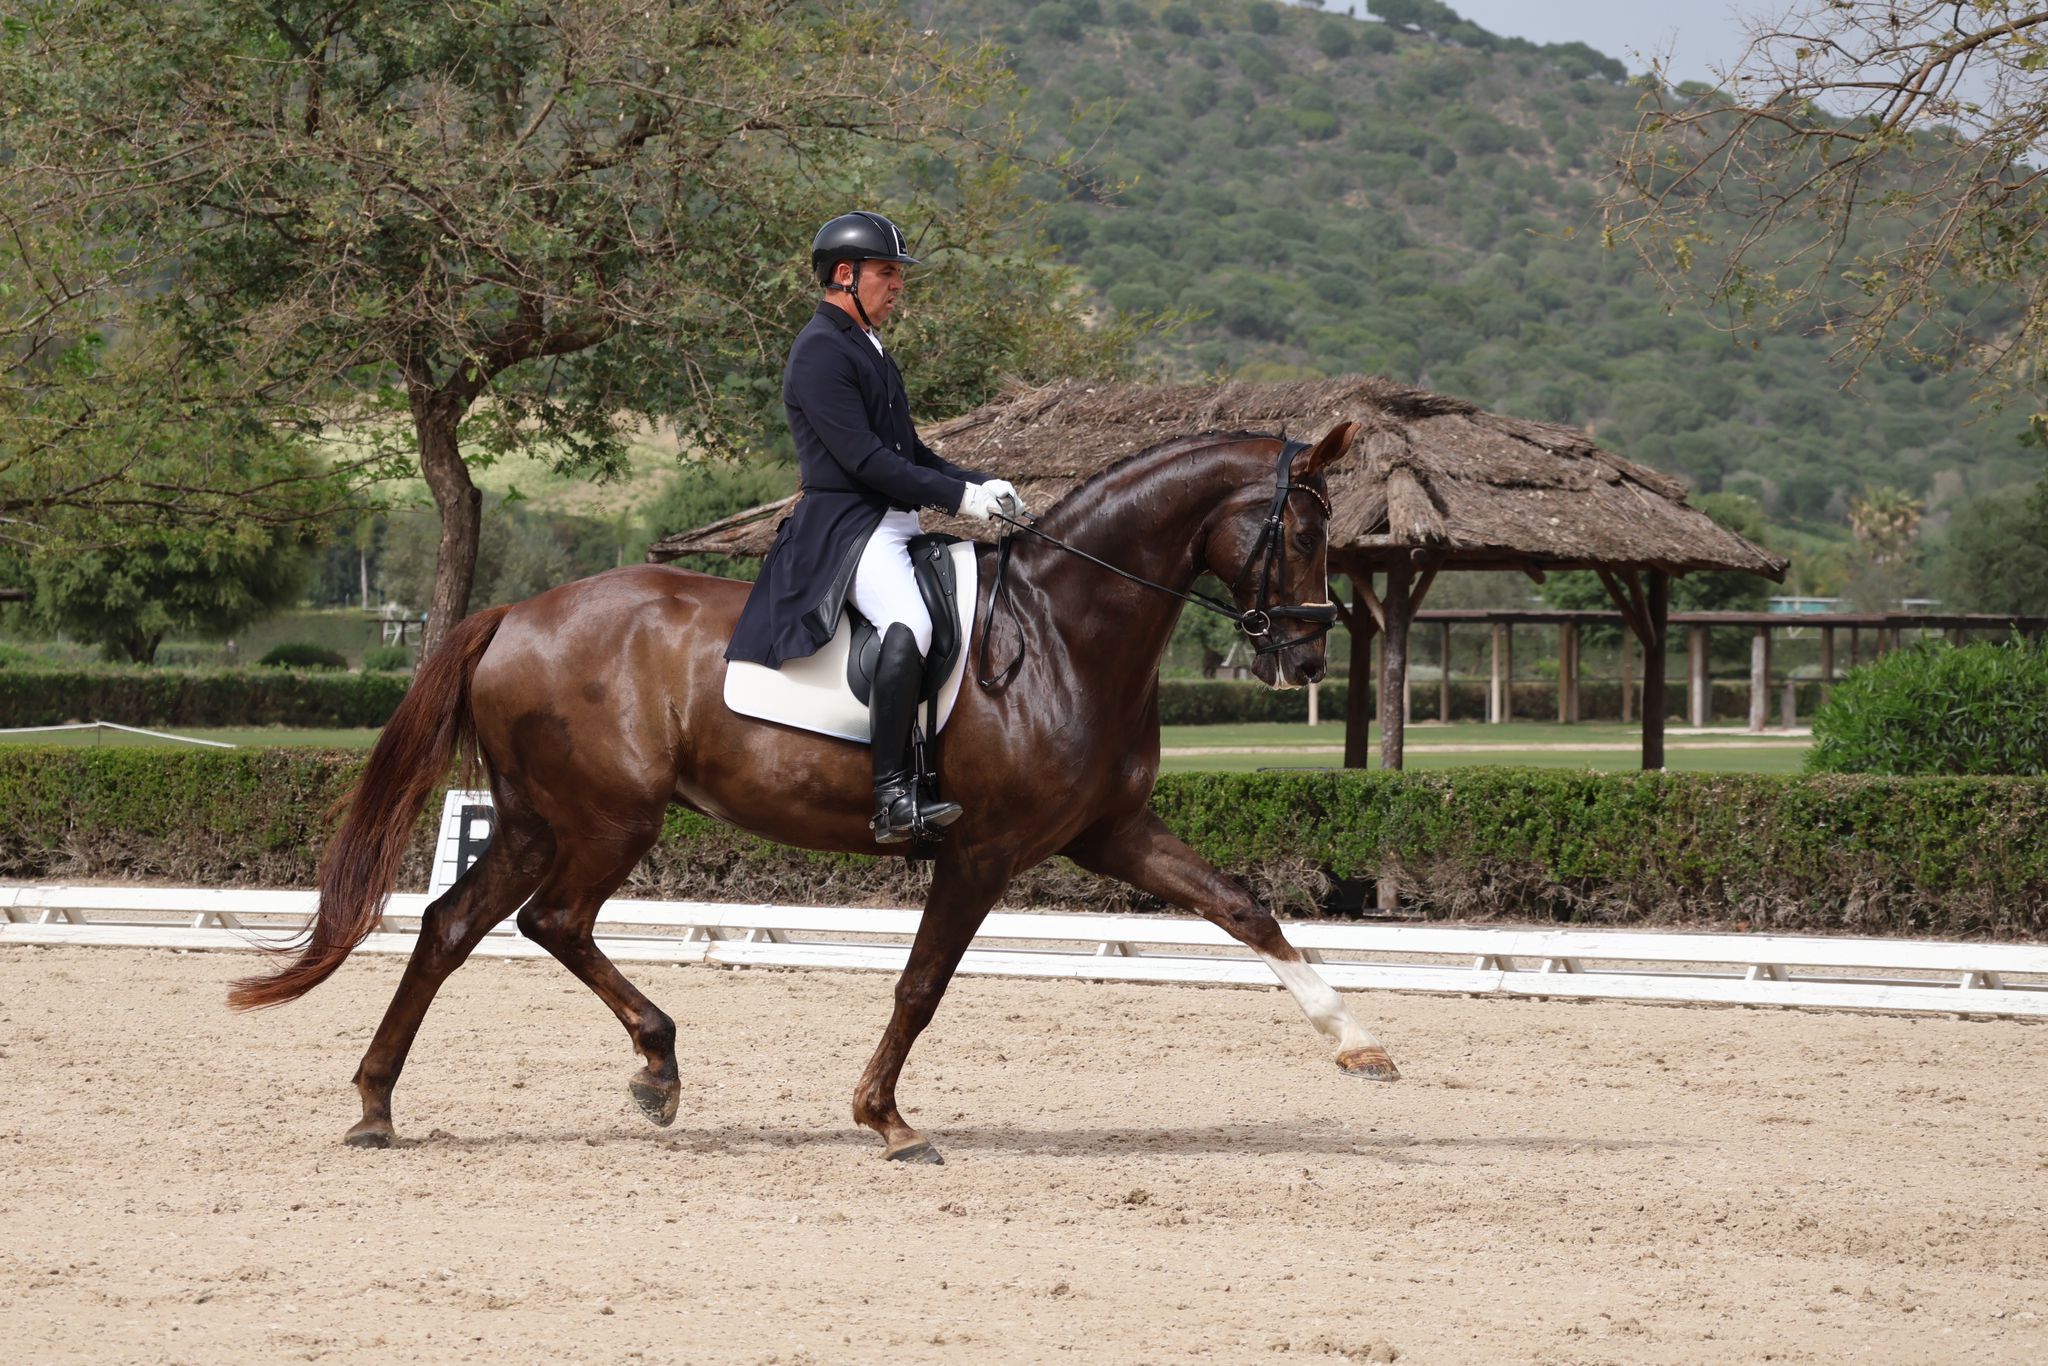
x,y
362,859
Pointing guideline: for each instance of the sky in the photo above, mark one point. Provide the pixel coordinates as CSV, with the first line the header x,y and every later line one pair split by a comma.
x,y
1694,36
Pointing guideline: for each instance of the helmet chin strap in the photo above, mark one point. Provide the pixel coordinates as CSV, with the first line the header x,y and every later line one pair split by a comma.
x,y
854,290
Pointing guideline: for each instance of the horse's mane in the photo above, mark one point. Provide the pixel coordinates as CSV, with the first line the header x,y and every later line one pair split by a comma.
x,y
1157,448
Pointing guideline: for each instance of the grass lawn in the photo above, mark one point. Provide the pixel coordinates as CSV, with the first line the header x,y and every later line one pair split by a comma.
x,y
1604,746
256,736
1524,744
1727,759
1426,734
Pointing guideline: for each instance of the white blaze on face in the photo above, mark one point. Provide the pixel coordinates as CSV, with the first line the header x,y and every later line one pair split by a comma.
x,y
1321,1003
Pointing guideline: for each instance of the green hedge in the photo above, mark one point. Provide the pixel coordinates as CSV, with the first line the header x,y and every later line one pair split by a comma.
x,y
1941,856
1976,709
198,697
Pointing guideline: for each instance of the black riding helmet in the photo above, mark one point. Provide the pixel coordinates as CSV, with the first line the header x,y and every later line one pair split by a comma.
x,y
856,237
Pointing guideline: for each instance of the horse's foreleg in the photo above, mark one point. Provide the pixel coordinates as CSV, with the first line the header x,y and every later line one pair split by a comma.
x,y
959,900
511,866
561,918
1144,853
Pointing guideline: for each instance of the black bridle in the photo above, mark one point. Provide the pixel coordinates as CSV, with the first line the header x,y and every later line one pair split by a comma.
x,y
1255,621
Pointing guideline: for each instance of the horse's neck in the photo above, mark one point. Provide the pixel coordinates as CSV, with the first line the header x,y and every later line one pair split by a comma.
x,y
1147,519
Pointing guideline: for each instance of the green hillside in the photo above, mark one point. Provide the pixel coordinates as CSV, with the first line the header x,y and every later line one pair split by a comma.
x,y
1341,195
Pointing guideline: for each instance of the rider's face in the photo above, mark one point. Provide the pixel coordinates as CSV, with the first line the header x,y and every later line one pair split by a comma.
x,y
880,284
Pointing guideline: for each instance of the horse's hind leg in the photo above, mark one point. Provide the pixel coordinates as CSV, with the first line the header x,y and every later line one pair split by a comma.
x,y
510,867
1143,852
560,918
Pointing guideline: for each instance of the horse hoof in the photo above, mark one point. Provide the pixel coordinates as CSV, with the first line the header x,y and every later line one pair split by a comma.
x,y
1368,1064
368,1135
658,1103
920,1152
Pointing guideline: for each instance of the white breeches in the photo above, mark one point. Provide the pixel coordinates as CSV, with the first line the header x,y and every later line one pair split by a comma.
x,y
885,586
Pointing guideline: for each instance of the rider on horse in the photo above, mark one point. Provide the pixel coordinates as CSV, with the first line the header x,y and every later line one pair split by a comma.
x,y
864,474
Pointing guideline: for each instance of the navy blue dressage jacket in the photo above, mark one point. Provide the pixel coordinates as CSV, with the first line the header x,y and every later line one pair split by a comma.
x,y
857,457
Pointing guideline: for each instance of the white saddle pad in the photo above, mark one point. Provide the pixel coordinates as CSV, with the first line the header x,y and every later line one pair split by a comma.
x,y
811,693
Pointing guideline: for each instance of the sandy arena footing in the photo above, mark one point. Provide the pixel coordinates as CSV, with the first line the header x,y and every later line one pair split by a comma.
x,y
1134,1174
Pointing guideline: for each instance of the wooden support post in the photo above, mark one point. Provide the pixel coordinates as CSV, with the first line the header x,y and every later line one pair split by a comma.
x,y
1443,682
1827,660
1393,711
1653,668
1760,678
1507,672
1699,695
1572,676
1855,646
1497,692
1788,711
1358,699
1564,672
1407,697
1628,659
1315,699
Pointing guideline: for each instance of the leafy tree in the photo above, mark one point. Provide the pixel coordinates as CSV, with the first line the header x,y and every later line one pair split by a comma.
x,y
1887,522
1418,16
514,227
1334,38
700,494
520,552
1996,558
1057,20
1263,17
114,431
1867,165
128,599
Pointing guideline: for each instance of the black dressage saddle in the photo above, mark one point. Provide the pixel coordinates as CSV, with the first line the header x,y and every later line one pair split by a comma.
x,y
931,556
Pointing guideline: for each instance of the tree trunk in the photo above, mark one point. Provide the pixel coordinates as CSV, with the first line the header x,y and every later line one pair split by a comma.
x,y
1659,603
1394,664
141,647
460,506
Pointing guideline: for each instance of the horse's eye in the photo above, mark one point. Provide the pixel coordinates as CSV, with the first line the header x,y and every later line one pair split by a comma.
x,y
1304,542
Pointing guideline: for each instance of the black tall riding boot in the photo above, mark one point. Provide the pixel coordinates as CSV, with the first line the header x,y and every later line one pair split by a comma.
x,y
892,708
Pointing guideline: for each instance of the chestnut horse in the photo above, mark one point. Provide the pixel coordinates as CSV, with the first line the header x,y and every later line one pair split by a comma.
x,y
595,705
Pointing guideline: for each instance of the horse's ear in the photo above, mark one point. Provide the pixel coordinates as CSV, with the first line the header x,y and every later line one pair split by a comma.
x,y
1326,452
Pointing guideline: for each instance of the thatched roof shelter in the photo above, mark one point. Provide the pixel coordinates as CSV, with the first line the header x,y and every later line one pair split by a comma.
x,y
1433,483
1429,472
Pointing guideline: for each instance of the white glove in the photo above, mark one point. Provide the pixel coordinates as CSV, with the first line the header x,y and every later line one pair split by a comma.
x,y
1005,494
978,503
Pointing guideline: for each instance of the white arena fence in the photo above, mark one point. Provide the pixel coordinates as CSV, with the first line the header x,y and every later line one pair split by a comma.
x,y
1723,969
1757,970
99,728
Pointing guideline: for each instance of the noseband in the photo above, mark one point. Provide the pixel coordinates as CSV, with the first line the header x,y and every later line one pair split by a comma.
x,y
1255,621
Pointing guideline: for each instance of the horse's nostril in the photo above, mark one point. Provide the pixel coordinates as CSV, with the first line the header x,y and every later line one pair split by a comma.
x,y
1313,671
